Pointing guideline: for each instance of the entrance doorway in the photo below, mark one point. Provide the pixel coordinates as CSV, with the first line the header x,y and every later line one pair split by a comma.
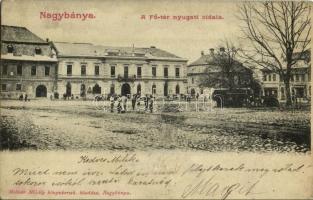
x,y
125,89
41,91
96,89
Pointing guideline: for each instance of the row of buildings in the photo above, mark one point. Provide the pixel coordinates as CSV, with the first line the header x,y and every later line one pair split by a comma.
x,y
42,68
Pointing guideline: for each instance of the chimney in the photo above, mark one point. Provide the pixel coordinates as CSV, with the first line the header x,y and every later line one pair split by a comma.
x,y
47,39
212,51
202,53
222,49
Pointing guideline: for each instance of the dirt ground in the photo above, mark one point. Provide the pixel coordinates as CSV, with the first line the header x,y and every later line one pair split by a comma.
x,y
82,125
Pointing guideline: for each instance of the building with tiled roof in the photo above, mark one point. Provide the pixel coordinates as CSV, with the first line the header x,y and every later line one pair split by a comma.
x,y
28,64
86,70
300,80
207,67
39,68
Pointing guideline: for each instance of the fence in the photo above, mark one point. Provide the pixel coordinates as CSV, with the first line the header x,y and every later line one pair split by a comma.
x,y
162,105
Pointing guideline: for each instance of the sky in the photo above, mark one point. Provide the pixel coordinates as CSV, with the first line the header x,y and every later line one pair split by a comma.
x,y
119,23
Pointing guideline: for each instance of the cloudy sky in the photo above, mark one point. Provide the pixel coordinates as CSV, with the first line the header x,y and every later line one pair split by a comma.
x,y
119,23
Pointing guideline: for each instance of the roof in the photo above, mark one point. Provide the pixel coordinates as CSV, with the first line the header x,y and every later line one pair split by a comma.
x,y
212,66
294,70
87,49
203,60
298,56
19,34
305,55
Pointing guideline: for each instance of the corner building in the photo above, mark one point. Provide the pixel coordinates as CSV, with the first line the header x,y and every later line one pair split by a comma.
x,y
28,64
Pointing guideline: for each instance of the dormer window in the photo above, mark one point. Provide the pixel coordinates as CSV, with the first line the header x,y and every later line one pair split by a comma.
x,y
37,51
10,48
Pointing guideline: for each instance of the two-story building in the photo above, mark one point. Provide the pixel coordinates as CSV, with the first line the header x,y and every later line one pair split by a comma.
x,y
85,69
28,64
300,80
205,75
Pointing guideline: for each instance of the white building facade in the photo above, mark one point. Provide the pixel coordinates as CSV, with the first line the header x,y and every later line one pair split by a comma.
x,y
86,70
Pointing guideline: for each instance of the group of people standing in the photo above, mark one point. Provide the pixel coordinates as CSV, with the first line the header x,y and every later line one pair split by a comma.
x,y
121,103
23,98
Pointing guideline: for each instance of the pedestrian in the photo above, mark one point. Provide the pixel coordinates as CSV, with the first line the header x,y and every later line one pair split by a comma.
x,y
21,97
112,103
138,102
188,98
197,96
151,104
134,101
146,102
124,104
26,97
119,106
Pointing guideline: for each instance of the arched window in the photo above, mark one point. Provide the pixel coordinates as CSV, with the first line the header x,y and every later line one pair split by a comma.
x,y
138,89
177,89
153,89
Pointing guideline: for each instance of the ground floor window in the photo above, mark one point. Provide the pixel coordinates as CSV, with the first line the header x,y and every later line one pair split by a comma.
x,y
3,87
153,89
270,92
112,89
177,89
300,92
18,86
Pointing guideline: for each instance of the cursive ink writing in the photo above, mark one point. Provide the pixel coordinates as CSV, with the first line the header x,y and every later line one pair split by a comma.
x,y
211,188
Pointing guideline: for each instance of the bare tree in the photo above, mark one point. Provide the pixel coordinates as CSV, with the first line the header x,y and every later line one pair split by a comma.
x,y
276,30
225,68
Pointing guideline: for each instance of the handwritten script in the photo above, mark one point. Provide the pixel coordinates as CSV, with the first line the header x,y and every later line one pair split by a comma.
x,y
123,174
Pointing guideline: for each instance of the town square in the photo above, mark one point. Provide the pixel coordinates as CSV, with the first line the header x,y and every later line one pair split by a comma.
x,y
62,90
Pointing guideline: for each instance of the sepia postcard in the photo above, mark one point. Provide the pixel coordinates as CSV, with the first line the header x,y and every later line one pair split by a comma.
x,y
168,99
